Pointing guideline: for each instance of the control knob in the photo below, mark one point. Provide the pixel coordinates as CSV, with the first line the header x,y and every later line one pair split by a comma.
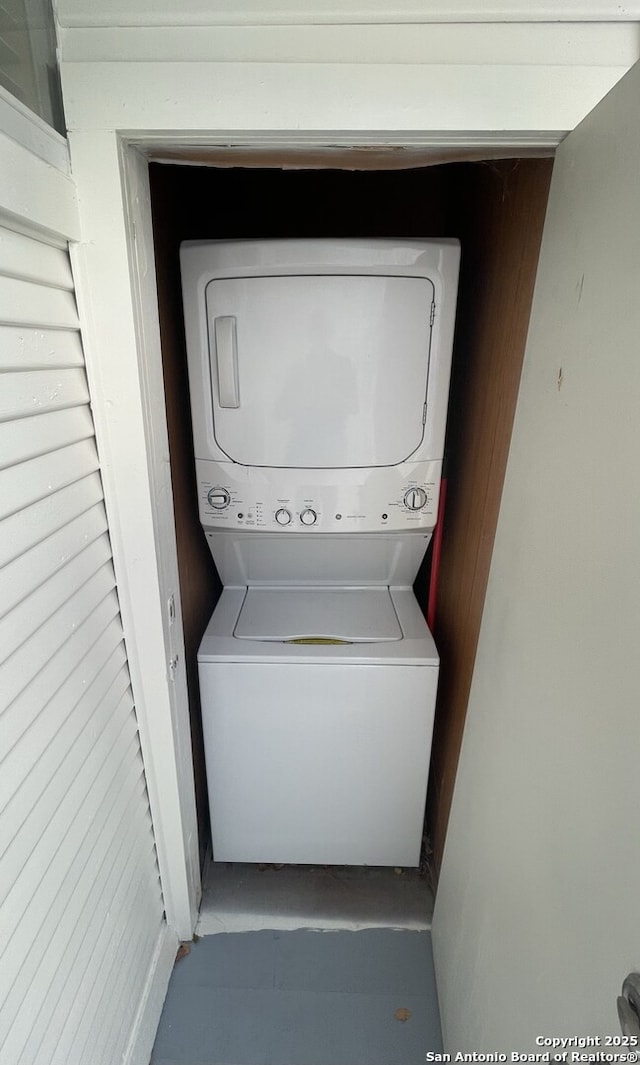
x,y
283,516
308,517
415,498
218,498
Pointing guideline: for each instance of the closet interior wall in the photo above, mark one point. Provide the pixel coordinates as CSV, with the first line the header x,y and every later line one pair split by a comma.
x,y
496,209
498,215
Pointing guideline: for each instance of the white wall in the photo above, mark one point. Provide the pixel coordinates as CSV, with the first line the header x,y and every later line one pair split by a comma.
x,y
535,922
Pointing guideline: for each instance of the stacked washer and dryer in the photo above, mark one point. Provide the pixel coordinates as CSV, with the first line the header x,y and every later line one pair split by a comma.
x,y
319,378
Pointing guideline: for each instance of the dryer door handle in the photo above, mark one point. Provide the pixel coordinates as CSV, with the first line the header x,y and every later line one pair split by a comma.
x,y
226,359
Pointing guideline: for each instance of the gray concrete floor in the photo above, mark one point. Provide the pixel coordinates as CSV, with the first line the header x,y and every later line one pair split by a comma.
x,y
244,898
302,998
305,966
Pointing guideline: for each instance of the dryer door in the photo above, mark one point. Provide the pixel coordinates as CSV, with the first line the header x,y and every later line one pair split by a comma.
x,y
319,371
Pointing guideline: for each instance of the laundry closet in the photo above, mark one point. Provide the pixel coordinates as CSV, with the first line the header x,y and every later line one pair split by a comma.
x,y
538,868
495,208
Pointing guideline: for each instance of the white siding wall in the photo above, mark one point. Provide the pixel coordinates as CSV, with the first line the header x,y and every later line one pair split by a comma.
x,y
82,930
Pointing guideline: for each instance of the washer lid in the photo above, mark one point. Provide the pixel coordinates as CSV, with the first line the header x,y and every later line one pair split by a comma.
x,y
309,615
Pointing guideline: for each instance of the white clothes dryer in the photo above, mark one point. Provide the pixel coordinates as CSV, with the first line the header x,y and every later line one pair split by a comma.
x,y
319,379
317,714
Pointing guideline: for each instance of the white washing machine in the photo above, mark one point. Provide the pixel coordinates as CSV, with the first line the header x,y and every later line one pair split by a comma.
x,y
319,374
318,751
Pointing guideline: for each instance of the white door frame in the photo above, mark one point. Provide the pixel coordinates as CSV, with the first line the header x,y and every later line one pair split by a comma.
x,y
116,286
123,114
141,84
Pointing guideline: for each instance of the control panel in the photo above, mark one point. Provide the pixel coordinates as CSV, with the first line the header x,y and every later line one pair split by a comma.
x,y
391,498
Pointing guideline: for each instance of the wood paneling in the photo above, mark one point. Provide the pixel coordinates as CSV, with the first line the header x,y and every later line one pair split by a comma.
x,y
499,214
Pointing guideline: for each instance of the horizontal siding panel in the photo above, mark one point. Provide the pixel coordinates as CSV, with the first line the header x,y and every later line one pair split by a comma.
x,y
49,910
64,970
95,963
49,915
91,899
79,884
19,624
77,653
109,994
127,971
17,671
22,348
24,257
27,438
65,849
22,532
105,660
27,303
137,932
38,391
24,574
11,12
71,980
64,740
88,882
32,480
